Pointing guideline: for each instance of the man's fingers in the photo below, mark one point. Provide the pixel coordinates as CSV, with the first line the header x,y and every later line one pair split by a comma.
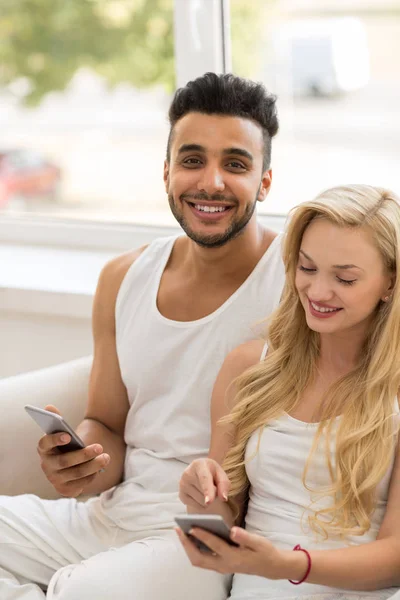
x,y
76,457
79,471
52,408
48,443
73,489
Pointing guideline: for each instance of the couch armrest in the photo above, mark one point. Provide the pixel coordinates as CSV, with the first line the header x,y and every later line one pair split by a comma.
x,y
63,385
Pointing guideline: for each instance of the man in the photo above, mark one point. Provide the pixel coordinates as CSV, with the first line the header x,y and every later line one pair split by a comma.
x,y
164,318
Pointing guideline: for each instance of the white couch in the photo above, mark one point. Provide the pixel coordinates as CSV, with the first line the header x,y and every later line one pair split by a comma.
x,y
65,386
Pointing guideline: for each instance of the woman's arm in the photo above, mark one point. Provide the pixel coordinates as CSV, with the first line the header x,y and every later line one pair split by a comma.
x,y
371,566
204,485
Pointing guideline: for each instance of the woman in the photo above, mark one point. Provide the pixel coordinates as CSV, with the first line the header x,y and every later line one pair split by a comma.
x,y
310,443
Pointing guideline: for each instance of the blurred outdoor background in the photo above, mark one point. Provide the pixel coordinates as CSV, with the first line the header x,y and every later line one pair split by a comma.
x,y
85,87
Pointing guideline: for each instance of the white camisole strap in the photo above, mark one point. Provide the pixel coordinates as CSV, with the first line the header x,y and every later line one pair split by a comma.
x,y
264,352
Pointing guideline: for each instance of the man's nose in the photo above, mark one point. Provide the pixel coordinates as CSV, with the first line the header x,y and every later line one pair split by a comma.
x,y
211,180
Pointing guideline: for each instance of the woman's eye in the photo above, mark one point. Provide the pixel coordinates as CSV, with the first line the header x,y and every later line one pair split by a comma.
x,y
306,270
346,281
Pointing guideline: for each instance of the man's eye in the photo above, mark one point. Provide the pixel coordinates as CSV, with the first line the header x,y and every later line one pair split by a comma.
x,y
235,165
192,161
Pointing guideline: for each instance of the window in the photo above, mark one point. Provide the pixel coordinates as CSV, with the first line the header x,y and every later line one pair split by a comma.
x,y
84,90
334,65
85,86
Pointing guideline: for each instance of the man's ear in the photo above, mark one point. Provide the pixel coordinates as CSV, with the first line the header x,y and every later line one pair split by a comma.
x,y
265,185
166,175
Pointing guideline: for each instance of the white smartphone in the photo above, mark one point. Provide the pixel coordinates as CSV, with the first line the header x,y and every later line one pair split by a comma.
x,y
50,423
213,523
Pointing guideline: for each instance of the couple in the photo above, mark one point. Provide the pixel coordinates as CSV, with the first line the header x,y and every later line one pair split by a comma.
x,y
165,318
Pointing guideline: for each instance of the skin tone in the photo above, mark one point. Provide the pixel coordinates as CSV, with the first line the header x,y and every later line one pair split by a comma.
x,y
219,159
329,257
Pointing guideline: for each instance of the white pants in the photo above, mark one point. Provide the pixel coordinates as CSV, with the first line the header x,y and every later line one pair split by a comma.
x,y
75,551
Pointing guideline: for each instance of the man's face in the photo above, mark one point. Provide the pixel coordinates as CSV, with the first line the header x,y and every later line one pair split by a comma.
x,y
215,176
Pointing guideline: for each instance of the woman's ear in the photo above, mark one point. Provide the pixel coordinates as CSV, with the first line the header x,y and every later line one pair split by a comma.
x,y
389,290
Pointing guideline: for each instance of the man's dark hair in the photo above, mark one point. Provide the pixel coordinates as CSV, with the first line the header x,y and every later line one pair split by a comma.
x,y
229,95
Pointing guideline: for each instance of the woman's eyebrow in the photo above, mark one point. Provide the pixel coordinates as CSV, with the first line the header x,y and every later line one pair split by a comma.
x,y
349,266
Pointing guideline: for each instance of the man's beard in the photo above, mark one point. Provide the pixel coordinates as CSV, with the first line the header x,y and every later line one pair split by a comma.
x,y
235,228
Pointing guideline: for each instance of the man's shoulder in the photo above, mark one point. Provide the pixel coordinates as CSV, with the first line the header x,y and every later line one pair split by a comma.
x,y
114,271
117,267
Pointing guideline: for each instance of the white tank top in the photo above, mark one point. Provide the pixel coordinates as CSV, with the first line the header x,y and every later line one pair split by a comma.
x,y
169,369
278,499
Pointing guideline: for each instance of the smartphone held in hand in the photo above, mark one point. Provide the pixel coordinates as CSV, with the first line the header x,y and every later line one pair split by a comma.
x,y
51,422
214,524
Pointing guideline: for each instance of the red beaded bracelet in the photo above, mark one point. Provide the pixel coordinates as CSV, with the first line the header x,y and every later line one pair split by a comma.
x,y
298,547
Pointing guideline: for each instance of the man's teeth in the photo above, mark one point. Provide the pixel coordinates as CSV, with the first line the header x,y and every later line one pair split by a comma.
x,y
210,209
322,309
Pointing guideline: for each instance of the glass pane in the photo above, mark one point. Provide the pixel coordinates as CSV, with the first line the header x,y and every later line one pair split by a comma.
x,y
85,87
335,67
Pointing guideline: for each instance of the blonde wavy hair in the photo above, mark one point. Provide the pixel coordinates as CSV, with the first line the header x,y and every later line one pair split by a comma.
x,y
365,397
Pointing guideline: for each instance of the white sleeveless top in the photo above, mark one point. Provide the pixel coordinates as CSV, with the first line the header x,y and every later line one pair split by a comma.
x,y
169,369
278,500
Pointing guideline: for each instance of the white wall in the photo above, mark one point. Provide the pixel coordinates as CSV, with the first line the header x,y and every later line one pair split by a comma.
x,y
33,341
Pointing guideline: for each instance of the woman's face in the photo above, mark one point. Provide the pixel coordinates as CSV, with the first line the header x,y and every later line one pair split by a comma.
x,y
340,278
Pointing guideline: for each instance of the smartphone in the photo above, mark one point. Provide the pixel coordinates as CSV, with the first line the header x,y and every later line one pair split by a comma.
x,y
212,523
50,422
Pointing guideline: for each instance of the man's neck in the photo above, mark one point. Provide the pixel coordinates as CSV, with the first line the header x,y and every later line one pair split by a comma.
x,y
235,258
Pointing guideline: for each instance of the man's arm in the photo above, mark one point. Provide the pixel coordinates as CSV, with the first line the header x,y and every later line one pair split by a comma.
x,y
103,427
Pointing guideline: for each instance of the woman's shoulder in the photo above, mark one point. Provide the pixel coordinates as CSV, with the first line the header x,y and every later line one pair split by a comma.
x,y
245,356
235,364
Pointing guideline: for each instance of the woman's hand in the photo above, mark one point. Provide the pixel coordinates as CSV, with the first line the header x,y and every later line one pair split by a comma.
x,y
202,482
254,556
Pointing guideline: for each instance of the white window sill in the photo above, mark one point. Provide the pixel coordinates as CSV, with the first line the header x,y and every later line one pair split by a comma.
x,y
51,267
50,281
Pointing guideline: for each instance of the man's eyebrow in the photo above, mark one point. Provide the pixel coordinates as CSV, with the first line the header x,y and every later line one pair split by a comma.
x,y
334,266
225,152
239,152
191,148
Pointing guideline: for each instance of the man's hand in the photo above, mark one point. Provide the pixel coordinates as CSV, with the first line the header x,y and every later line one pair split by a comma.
x,y
202,482
69,473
